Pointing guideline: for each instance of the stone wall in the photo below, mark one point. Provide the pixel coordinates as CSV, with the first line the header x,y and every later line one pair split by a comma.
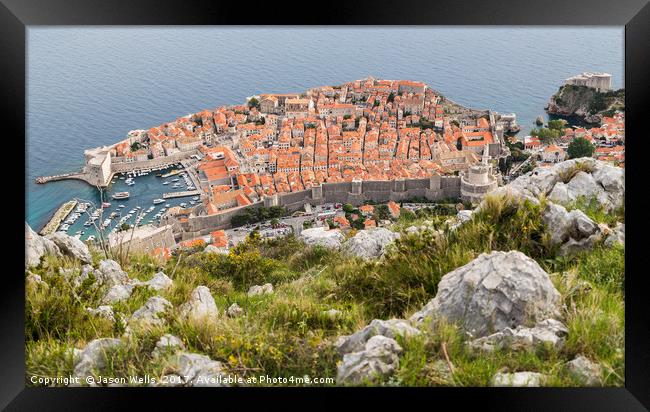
x,y
379,191
152,163
161,237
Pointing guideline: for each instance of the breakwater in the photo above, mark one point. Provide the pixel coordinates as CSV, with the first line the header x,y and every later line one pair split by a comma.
x,y
62,212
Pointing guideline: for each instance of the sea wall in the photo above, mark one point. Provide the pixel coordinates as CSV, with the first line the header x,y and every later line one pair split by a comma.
x,y
121,167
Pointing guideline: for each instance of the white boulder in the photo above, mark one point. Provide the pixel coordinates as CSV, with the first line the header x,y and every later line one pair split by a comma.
x,y
110,273
389,328
167,343
149,315
103,311
378,359
518,379
200,307
71,246
257,290
585,371
320,236
495,291
549,332
37,246
234,311
117,293
93,357
368,244
193,369
158,282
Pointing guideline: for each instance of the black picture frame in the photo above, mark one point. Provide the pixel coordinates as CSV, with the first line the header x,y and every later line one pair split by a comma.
x,y
16,15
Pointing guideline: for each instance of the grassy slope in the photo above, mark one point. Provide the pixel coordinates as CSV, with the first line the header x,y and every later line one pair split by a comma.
x,y
287,334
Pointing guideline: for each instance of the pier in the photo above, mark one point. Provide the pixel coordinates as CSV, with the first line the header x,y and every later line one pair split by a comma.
x,y
172,195
72,175
58,217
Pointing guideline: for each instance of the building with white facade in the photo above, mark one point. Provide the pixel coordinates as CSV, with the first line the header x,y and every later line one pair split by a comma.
x,y
597,80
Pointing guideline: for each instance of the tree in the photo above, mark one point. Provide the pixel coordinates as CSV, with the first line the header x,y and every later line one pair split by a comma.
x,y
556,124
135,146
546,135
348,208
580,147
253,102
391,97
275,222
459,144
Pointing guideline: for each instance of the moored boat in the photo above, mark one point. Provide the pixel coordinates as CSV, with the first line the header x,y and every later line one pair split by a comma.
x,y
120,195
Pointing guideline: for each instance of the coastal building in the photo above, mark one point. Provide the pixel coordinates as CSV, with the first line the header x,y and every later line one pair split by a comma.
x,y
478,180
98,166
553,154
600,81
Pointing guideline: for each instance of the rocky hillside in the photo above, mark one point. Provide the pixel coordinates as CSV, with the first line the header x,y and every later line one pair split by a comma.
x,y
525,290
585,102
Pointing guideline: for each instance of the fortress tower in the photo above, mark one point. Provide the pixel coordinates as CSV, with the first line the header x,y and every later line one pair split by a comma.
x,y
478,180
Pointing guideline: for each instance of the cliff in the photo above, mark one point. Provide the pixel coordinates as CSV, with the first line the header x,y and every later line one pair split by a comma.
x,y
585,102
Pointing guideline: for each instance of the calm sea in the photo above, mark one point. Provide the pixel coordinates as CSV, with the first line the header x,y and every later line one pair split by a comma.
x,y
89,86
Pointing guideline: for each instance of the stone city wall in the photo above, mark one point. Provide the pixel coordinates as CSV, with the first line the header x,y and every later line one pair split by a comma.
x,y
381,191
121,167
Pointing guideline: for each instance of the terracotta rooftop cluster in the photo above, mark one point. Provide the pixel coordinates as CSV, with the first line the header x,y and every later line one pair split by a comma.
x,y
278,143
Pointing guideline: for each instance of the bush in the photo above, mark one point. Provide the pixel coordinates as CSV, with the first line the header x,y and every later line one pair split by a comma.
x,y
580,147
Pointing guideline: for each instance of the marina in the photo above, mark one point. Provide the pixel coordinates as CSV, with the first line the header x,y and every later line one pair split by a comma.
x,y
132,198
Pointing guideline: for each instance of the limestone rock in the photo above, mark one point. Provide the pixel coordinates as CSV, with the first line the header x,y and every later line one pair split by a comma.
x,y
93,356
584,185
495,291
595,179
368,244
110,273
617,236
200,307
574,230
461,217
320,236
548,332
389,328
379,358
149,315
103,311
158,282
167,343
585,371
117,293
71,246
332,313
519,379
256,290
193,369
37,246
234,311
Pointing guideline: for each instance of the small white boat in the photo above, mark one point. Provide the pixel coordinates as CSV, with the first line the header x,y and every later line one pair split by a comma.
x,y
158,201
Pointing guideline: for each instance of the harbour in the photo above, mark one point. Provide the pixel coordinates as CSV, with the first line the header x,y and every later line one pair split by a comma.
x,y
136,197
